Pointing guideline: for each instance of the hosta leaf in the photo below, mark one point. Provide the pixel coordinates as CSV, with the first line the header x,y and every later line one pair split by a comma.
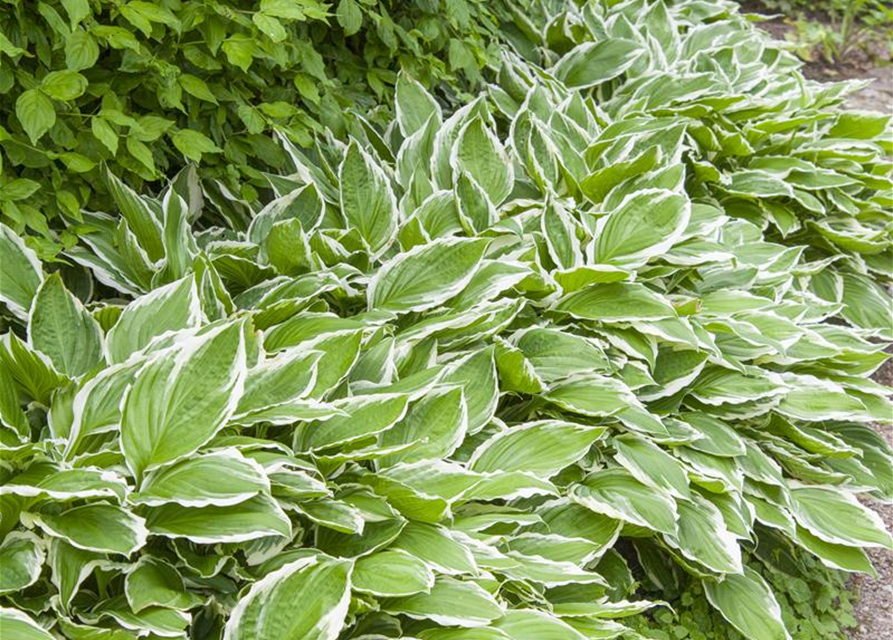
x,y
21,560
458,633
479,153
426,276
172,307
140,218
335,515
366,198
68,484
154,583
617,494
748,604
516,373
221,478
550,573
645,224
651,464
560,233
20,626
20,272
590,395
530,624
288,376
451,602
392,574
64,330
476,374
304,205
836,556
813,400
96,527
257,517
97,405
155,620
183,397
541,448
267,612
704,538
616,302
837,517
867,305
714,436
32,372
413,104
359,418
433,544
490,279
592,63
438,422
556,354
570,519
70,567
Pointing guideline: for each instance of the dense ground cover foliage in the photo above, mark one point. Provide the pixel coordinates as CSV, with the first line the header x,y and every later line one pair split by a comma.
x,y
599,338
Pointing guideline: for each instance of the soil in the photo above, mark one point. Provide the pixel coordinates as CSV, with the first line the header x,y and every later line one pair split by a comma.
x,y
874,596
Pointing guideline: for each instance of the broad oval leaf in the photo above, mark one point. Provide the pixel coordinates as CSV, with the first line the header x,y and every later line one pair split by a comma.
x,y
703,536
747,602
651,464
590,395
413,104
392,574
64,330
616,302
616,493
21,561
426,276
20,626
837,517
592,63
96,527
154,583
172,307
646,224
257,517
542,448
367,201
20,272
182,397
479,153
221,478
305,599
451,602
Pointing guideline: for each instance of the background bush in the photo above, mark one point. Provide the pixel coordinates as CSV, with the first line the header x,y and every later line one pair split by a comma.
x,y
145,87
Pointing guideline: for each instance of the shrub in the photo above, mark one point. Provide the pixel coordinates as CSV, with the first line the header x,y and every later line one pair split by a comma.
x,y
474,375
146,86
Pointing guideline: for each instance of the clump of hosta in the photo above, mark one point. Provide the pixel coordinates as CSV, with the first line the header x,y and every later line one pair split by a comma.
x,y
477,376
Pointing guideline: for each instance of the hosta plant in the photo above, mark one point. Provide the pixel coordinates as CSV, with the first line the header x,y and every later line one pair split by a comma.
x,y
517,371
